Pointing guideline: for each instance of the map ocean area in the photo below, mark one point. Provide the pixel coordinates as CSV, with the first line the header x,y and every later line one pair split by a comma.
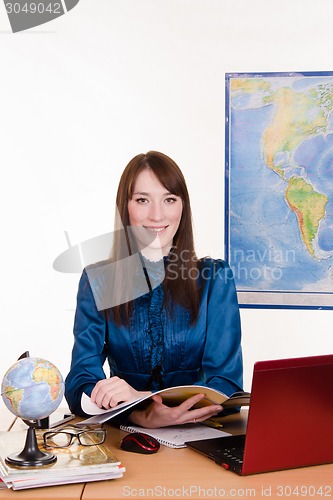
x,y
280,182
171,396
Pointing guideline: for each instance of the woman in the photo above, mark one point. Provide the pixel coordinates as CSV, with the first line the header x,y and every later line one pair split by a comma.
x,y
171,320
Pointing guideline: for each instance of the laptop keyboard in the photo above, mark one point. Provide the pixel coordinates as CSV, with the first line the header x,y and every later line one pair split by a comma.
x,y
233,455
227,451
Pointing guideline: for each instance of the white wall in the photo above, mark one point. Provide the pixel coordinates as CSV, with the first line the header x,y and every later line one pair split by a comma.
x,y
83,94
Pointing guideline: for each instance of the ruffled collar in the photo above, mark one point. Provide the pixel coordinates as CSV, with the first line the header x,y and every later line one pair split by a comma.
x,y
154,270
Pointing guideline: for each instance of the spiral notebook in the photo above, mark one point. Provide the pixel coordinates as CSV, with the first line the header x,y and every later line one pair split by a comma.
x,y
176,436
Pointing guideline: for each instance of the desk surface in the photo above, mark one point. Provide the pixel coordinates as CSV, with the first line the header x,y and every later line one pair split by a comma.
x,y
185,474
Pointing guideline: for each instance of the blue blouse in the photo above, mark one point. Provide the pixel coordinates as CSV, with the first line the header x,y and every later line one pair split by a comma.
x,y
158,348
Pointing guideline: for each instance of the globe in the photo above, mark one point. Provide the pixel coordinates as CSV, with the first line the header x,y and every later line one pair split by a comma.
x,y
32,388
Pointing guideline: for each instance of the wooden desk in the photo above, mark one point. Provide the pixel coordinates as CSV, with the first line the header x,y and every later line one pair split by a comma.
x,y
184,474
66,492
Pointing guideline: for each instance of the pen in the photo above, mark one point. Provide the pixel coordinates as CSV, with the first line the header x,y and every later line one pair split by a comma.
x,y
212,423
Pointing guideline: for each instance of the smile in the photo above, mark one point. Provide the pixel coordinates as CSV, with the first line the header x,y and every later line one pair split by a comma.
x,y
155,229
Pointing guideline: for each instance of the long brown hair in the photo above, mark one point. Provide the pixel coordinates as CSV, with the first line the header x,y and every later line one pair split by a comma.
x,y
179,284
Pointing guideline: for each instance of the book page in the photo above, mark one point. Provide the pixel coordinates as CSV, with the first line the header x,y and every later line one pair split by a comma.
x,y
171,396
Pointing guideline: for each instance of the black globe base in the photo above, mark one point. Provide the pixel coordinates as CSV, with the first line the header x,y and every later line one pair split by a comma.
x,y
31,455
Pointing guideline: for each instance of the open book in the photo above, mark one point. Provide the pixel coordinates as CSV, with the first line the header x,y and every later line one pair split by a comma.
x,y
171,396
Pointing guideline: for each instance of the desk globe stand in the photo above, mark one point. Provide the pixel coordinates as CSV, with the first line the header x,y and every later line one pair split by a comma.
x,y
31,455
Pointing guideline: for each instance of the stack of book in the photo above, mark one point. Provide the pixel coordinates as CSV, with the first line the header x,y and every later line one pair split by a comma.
x,y
74,464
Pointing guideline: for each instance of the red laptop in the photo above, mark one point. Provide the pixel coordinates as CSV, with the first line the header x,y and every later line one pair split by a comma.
x,y
290,421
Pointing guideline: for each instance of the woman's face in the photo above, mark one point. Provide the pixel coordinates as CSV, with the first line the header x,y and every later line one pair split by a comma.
x,y
156,211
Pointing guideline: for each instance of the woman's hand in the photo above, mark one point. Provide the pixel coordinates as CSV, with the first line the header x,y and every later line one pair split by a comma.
x,y
109,392
159,415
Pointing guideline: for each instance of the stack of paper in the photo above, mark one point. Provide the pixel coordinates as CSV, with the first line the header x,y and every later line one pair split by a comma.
x,y
74,464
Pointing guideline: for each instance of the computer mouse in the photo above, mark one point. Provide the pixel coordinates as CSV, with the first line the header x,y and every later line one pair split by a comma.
x,y
139,442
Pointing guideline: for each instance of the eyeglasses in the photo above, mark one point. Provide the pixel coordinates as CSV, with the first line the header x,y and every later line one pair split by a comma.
x,y
62,438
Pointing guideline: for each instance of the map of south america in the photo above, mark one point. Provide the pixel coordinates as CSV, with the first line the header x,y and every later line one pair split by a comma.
x,y
309,207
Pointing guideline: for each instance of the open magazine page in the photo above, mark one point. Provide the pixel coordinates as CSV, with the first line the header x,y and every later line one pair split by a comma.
x,y
171,396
